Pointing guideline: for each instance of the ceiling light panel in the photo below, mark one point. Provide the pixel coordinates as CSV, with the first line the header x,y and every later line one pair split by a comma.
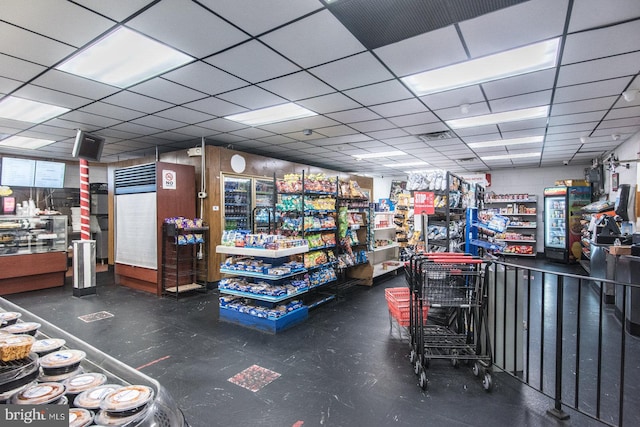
x,y
26,110
25,143
278,113
505,142
496,118
511,156
123,58
535,57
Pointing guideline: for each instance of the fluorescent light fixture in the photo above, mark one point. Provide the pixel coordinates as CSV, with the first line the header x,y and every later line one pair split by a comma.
x,y
511,156
123,58
24,142
504,142
278,113
418,171
380,154
402,165
495,118
25,110
535,57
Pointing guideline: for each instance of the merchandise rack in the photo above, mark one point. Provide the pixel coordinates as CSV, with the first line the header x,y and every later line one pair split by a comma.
x,y
522,211
247,319
184,265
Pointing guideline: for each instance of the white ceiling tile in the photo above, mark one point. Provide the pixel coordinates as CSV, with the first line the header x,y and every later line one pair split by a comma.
x,y
413,119
399,108
136,128
623,131
31,47
185,115
484,137
599,69
576,118
313,122
426,128
523,125
370,144
386,134
414,147
618,113
476,109
251,133
252,97
205,78
477,130
258,17
221,125
583,106
534,99
215,106
158,122
50,96
379,93
597,43
195,131
591,90
334,131
356,115
531,82
608,124
372,125
346,139
316,150
8,85
227,138
357,70
138,102
423,52
299,145
514,26
594,13
329,103
113,111
276,139
17,69
65,82
74,25
166,90
297,86
191,29
574,136
314,40
115,10
580,127
455,97
241,61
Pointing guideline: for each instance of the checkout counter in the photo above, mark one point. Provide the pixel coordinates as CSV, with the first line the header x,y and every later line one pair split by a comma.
x,y
627,270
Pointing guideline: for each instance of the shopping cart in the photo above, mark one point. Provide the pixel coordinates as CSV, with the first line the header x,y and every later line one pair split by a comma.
x,y
454,283
398,303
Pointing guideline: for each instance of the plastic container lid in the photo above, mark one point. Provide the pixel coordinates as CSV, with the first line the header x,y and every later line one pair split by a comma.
x,y
62,359
6,396
9,317
90,399
82,382
22,328
79,417
39,394
43,347
108,419
60,377
127,398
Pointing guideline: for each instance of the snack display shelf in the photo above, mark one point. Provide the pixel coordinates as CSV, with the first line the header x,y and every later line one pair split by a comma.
x,y
522,226
384,228
384,248
328,264
272,325
260,275
324,299
258,252
517,254
515,240
321,284
319,248
317,230
519,214
161,410
491,201
261,297
319,211
379,269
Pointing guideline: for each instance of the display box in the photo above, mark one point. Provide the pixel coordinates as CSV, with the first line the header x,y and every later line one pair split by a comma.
x,y
572,183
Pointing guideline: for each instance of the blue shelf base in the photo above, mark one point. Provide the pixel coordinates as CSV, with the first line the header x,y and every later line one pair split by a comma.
x,y
272,326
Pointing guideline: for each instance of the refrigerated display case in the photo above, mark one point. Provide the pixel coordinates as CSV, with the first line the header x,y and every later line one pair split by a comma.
x,y
237,202
562,227
263,219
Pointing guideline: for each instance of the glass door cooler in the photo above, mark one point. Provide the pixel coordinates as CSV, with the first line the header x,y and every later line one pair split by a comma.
x,y
237,203
562,228
263,214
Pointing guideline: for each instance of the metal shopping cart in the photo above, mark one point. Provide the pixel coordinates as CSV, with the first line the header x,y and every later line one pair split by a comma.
x,y
454,284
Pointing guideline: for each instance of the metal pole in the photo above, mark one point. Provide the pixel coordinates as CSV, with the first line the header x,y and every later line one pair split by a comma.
x,y
557,409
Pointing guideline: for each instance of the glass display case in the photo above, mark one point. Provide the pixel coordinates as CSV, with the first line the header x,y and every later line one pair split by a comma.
x,y
237,203
159,411
28,235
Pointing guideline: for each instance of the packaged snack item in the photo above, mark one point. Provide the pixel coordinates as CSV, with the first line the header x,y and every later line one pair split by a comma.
x,y
14,347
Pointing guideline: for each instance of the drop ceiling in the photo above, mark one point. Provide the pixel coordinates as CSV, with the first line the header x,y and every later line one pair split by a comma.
x,y
342,59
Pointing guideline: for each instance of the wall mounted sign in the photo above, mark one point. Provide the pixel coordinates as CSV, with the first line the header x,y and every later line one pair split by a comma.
x,y
169,179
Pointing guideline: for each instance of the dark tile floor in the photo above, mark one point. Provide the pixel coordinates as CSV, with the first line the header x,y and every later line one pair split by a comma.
x,y
342,367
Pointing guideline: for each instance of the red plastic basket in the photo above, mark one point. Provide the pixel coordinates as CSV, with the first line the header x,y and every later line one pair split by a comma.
x,y
398,300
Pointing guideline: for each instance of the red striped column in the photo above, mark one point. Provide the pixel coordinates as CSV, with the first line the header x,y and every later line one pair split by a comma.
x,y
85,231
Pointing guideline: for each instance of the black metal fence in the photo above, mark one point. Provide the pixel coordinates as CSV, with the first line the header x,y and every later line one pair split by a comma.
x,y
564,335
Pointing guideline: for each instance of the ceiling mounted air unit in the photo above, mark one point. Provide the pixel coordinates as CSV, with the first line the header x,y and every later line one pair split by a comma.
x,y
435,136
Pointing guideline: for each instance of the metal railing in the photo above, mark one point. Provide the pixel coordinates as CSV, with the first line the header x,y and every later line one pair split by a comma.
x,y
555,333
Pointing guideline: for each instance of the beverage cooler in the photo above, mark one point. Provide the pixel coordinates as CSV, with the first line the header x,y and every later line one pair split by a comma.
x,y
562,228
248,203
